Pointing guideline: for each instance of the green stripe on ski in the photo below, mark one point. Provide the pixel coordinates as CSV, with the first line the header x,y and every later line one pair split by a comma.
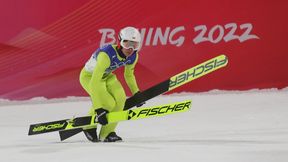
x,y
198,71
70,124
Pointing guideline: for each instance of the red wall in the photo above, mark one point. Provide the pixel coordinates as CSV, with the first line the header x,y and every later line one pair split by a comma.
x,y
43,45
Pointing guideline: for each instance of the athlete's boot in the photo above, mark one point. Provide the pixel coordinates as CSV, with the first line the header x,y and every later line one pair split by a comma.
x,y
112,137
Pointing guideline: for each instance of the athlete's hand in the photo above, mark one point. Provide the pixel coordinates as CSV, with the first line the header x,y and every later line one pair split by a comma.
x,y
101,116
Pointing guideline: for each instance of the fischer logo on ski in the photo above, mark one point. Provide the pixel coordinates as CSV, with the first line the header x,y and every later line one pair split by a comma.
x,y
198,71
48,127
164,109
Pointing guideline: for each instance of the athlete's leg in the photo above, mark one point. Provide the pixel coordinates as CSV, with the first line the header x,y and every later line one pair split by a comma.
x,y
115,88
109,103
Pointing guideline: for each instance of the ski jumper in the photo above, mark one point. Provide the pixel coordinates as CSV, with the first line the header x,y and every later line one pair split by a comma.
x,y
102,85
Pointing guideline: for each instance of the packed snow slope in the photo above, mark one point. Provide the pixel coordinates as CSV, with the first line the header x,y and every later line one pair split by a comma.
x,y
250,126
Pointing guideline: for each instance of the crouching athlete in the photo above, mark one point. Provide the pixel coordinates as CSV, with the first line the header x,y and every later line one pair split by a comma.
x,y
106,92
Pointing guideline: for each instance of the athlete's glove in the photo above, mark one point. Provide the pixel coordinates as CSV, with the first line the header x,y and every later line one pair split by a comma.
x,y
138,97
101,116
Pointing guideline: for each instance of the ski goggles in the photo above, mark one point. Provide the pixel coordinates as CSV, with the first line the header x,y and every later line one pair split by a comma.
x,y
130,44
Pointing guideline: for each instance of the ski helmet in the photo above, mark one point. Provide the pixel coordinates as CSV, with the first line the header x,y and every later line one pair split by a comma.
x,y
130,37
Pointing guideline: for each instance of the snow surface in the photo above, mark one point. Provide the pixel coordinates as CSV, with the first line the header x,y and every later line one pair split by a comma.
x,y
250,126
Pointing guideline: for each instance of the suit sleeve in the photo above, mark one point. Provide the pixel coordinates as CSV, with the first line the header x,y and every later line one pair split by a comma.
x,y
130,77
